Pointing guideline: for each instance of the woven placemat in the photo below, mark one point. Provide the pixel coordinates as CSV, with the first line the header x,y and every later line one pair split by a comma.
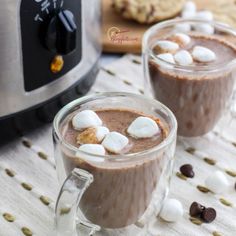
x,y
29,185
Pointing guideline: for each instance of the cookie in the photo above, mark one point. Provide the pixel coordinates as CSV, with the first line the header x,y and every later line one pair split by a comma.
x,y
224,11
148,11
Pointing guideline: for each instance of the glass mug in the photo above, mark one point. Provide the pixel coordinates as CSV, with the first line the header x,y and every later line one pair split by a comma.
x,y
118,194
198,95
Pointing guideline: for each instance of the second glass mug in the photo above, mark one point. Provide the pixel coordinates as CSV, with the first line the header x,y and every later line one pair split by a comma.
x,y
112,195
198,95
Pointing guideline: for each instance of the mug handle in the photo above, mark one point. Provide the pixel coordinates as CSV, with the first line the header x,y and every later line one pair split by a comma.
x,y
67,206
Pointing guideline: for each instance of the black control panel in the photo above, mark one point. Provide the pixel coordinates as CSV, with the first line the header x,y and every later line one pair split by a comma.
x,y
49,28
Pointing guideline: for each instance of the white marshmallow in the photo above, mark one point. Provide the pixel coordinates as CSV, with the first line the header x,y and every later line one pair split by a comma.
x,y
172,210
204,15
182,27
203,54
93,135
143,127
180,38
190,6
115,142
217,182
168,57
166,46
204,28
96,149
188,15
86,119
93,149
101,132
183,58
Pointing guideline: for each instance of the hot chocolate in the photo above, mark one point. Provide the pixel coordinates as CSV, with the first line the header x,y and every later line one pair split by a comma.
x,y
197,86
121,191
118,120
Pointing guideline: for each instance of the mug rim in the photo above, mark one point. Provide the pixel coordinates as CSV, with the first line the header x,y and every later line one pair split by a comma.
x,y
190,68
119,157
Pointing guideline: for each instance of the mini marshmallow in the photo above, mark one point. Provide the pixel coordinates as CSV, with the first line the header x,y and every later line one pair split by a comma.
x,y
181,39
183,58
217,182
86,119
182,27
101,132
188,15
143,127
93,135
93,149
96,149
190,6
165,46
204,28
168,57
189,10
202,54
87,136
172,210
115,142
204,15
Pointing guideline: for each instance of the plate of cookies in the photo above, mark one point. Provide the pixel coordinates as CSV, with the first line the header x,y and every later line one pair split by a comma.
x,y
125,21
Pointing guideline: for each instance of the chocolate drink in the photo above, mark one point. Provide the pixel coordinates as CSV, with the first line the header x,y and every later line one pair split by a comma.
x,y
197,98
121,191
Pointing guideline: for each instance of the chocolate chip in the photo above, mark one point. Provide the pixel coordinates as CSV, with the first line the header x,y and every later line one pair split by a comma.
x,y
187,170
196,209
235,186
208,214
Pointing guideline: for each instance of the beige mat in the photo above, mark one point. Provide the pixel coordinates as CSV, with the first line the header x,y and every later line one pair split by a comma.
x,y
29,186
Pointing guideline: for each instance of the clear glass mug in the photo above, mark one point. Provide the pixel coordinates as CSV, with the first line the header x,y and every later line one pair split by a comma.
x,y
198,96
112,195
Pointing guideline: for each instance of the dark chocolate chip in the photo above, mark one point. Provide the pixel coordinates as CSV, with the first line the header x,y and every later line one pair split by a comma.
x,y
187,170
196,209
208,214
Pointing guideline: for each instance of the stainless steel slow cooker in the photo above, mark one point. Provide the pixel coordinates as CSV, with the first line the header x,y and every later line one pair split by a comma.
x,y
49,51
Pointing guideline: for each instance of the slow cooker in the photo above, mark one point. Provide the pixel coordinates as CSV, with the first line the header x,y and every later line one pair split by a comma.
x,y
49,51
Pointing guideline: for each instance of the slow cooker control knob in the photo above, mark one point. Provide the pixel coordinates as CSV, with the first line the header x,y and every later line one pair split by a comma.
x,y
61,34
